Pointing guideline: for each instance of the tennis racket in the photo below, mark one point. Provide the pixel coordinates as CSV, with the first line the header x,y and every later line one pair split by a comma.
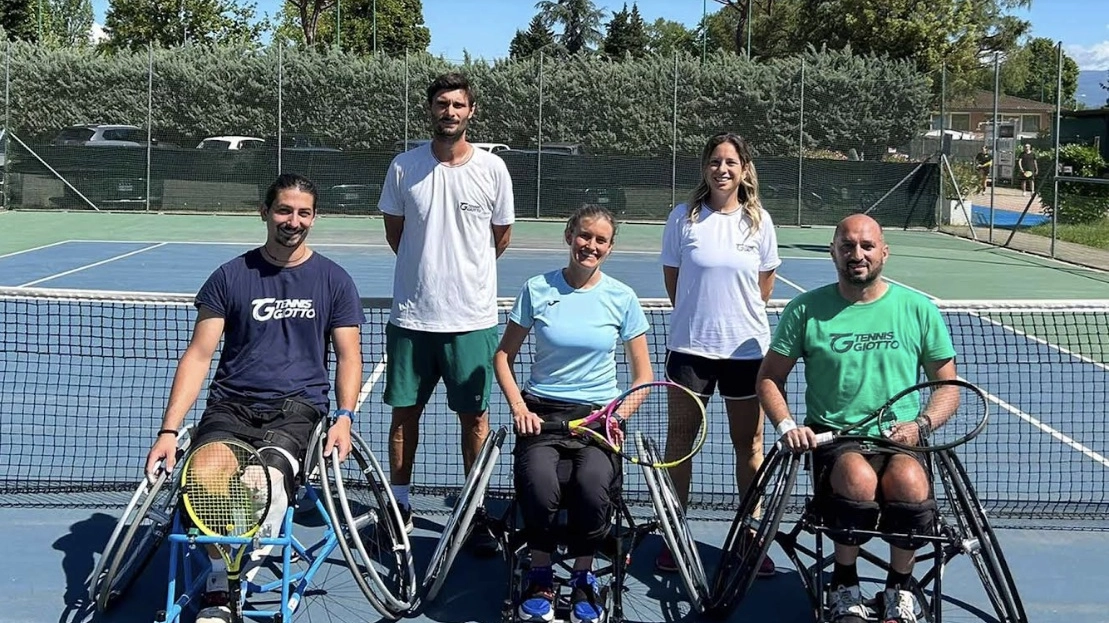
x,y
225,489
662,411
926,417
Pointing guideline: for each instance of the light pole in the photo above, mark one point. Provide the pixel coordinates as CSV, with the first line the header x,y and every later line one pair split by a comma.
x,y
704,28
375,25
338,25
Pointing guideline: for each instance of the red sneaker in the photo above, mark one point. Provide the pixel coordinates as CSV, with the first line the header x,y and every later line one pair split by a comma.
x,y
665,561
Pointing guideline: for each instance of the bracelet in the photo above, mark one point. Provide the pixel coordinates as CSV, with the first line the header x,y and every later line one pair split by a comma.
x,y
785,426
343,413
167,431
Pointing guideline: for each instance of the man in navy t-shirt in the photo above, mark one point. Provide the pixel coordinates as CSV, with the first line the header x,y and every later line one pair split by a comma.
x,y
279,309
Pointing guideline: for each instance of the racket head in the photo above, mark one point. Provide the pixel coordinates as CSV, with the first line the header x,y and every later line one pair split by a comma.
x,y
226,488
666,412
934,415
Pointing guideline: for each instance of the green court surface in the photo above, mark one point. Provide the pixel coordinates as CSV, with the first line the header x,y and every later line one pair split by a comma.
x,y
943,266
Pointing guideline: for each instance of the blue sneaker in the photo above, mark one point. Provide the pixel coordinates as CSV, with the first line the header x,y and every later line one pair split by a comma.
x,y
538,603
585,599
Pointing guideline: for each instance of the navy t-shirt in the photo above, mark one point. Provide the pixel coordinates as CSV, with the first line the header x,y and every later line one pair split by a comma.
x,y
277,326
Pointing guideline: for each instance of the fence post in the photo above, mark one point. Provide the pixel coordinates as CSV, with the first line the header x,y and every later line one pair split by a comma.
x,y
993,171
943,135
280,100
674,140
1055,177
539,143
405,98
801,143
149,117
7,123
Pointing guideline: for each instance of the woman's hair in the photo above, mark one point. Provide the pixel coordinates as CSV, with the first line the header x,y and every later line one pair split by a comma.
x,y
748,187
590,211
285,181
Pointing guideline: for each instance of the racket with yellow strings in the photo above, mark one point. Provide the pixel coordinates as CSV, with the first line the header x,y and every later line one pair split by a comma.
x,y
225,490
666,412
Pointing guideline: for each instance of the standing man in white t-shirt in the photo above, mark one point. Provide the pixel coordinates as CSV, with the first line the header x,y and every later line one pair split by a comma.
x,y
448,216
719,256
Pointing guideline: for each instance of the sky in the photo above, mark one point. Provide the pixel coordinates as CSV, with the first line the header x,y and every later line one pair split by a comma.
x,y
484,28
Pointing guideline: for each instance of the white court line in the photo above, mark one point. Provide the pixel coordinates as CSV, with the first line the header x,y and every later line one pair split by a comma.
x,y
355,245
88,266
38,248
789,283
368,386
1091,454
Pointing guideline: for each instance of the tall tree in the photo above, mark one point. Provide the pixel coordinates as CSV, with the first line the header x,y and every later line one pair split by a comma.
x,y
399,26
67,23
1032,71
307,14
666,38
627,34
537,37
741,12
19,18
132,24
580,21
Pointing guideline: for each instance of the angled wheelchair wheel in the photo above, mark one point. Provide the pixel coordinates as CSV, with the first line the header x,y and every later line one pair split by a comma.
x,y
458,523
750,537
373,541
140,531
672,521
979,541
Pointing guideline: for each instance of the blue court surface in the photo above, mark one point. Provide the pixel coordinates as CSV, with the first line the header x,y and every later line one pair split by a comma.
x,y
1045,446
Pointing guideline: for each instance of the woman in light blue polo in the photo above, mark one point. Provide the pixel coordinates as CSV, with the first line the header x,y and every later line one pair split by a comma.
x,y
579,315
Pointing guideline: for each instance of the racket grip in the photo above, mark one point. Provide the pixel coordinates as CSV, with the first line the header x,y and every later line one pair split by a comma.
x,y
823,438
554,427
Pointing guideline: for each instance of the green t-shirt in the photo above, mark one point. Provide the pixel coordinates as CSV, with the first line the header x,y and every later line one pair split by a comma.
x,y
857,356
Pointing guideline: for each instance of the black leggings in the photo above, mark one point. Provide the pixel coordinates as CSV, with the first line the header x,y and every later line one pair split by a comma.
x,y
589,496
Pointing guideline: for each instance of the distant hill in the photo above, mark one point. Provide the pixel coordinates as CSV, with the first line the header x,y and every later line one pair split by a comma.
x,y
1090,94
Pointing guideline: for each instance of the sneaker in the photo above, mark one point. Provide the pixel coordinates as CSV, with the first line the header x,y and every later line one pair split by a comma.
x,y
538,603
665,561
585,599
481,541
846,605
766,569
898,606
214,608
406,518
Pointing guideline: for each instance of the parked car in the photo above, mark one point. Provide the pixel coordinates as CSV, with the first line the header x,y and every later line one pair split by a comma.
x,y
566,182
231,143
108,180
400,146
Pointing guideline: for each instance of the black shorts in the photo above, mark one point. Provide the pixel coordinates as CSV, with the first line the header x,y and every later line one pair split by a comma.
x,y
282,424
824,459
701,375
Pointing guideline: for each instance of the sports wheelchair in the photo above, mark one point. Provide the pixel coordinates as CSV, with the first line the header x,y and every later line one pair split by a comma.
x,y
625,535
359,549
960,527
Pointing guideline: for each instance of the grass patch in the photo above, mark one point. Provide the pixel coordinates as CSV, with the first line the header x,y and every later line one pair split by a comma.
x,y
1094,234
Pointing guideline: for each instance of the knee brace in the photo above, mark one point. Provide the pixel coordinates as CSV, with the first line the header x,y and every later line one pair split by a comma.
x,y
906,522
843,514
286,465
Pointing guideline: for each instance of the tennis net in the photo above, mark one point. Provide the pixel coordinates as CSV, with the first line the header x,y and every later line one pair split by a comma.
x,y
86,375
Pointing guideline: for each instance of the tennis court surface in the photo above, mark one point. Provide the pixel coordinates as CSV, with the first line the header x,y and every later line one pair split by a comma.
x,y
92,338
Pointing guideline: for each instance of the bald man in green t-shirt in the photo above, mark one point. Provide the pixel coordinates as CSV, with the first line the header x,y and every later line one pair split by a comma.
x,y
863,339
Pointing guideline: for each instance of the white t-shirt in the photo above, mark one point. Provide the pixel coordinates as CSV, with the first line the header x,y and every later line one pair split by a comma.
x,y
718,310
446,273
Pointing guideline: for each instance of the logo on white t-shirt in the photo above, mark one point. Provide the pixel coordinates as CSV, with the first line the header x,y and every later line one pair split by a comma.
x,y
747,247
278,309
466,206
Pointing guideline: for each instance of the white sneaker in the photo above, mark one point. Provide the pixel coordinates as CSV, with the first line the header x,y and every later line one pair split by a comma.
x,y
846,605
898,606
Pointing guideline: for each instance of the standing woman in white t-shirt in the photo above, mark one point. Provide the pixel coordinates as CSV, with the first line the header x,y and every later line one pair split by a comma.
x,y
719,254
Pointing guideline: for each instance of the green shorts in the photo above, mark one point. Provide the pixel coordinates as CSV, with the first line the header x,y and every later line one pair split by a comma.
x,y
416,360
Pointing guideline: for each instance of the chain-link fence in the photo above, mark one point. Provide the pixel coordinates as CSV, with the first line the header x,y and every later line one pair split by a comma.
x,y
195,130
1030,171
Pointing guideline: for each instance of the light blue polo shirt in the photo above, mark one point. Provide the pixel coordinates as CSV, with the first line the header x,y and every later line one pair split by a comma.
x,y
576,333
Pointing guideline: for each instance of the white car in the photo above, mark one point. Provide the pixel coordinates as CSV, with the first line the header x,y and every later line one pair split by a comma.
x,y
231,142
412,144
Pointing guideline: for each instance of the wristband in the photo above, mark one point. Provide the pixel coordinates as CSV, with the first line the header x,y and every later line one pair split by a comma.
x,y
785,426
343,413
167,431
924,426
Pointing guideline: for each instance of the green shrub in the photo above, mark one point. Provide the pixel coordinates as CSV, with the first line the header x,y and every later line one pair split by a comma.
x,y
1078,202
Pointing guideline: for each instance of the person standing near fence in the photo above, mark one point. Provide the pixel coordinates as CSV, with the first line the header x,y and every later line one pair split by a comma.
x,y
983,162
448,214
719,256
1029,169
